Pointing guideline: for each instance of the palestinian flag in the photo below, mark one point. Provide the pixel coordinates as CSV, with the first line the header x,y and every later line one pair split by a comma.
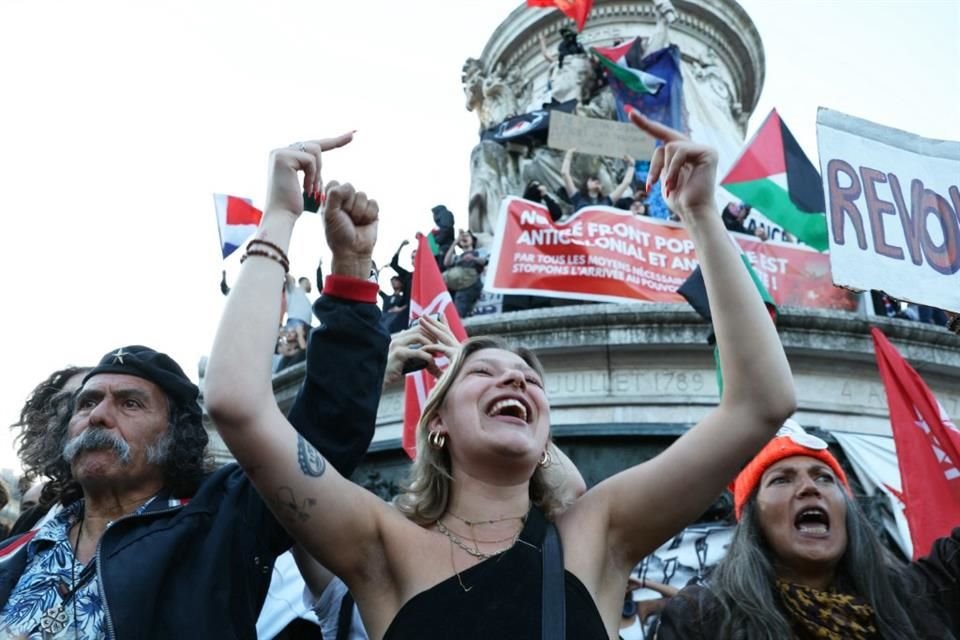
x,y
576,10
623,62
774,176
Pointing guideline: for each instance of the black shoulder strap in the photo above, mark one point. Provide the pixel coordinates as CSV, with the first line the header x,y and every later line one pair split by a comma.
x,y
345,617
554,617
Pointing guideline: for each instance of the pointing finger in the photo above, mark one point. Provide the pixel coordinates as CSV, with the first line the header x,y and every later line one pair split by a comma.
x,y
326,144
655,129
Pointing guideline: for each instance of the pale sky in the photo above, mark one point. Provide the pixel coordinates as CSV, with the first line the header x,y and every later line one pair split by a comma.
x,y
120,119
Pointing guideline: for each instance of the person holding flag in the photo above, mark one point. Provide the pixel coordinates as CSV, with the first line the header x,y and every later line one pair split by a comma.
x,y
472,548
805,562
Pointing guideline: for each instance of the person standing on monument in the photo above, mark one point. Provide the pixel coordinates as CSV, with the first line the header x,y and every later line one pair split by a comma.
x,y
592,192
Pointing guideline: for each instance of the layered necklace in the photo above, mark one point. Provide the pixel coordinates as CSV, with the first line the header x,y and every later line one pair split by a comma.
x,y
475,550
461,540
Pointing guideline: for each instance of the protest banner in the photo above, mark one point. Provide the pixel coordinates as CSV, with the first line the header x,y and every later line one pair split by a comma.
x,y
598,137
609,255
892,210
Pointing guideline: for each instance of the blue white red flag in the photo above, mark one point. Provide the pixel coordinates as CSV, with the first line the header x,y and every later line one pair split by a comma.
x,y
237,220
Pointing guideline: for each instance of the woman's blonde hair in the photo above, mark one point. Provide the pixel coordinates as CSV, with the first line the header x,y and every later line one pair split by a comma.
x,y
426,493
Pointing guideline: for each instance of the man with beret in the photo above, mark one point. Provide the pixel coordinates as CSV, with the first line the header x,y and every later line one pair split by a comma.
x,y
149,543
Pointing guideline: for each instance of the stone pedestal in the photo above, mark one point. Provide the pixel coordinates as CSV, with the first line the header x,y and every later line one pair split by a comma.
x,y
625,380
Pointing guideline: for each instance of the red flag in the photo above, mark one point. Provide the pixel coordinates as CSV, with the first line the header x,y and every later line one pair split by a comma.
x,y
928,449
576,10
428,295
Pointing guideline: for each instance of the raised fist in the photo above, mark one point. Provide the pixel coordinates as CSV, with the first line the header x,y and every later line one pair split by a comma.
x,y
350,220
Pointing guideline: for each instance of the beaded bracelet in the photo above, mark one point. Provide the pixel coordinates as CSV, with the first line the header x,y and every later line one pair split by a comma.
x,y
266,254
270,245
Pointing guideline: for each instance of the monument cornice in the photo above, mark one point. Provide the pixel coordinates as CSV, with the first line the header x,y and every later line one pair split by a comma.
x,y
804,332
618,364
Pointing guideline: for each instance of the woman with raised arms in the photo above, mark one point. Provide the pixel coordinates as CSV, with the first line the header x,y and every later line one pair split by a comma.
x,y
459,555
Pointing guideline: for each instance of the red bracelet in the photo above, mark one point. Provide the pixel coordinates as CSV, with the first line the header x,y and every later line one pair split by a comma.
x,y
355,289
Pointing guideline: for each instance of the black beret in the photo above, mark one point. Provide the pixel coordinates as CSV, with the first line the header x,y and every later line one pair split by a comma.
x,y
158,368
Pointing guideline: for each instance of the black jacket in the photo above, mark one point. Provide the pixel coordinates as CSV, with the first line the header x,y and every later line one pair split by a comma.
x,y
934,581
202,570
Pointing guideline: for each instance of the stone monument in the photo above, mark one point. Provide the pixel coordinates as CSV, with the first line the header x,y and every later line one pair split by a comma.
x,y
520,70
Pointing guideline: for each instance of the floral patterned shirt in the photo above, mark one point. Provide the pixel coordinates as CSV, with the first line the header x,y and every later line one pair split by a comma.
x,y
51,570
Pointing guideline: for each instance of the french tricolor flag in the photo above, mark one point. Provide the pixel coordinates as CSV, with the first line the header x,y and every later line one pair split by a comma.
x,y
237,220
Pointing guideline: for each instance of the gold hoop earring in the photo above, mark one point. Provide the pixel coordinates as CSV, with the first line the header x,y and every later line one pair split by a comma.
x,y
437,440
545,459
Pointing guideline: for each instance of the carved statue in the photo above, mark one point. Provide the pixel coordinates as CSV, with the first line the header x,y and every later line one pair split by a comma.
x,y
666,15
571,74
573,80
603,105
495,96
493,175
706,70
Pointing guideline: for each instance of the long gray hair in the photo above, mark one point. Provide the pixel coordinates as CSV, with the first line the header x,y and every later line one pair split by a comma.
x,y
744,581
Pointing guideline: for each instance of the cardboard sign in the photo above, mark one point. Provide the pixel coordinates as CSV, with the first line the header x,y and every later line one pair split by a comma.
x,y
609,255
598,137
893,202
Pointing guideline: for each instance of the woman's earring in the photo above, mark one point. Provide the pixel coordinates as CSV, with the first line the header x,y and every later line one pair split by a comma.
x,y
545,458
437,440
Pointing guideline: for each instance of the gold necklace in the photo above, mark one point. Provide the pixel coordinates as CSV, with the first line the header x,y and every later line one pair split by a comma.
x,y
475,552
471,523
475,541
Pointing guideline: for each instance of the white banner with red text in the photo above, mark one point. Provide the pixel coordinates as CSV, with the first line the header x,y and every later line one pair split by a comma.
x,y
893,209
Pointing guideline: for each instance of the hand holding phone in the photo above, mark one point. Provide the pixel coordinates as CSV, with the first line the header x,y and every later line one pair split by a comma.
x,y
312,204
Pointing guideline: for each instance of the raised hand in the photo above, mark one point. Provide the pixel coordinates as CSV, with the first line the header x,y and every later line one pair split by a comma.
x,y
439,337
350,220
426,342
284,192
405,347
687,170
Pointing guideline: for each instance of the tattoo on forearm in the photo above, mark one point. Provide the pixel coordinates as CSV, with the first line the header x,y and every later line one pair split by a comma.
x,y
311,462
289,507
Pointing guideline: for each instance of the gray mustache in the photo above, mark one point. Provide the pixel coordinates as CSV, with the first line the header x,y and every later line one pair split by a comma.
x,y
96,439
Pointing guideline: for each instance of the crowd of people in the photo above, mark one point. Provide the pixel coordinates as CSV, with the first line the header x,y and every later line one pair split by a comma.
x,y
494,535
